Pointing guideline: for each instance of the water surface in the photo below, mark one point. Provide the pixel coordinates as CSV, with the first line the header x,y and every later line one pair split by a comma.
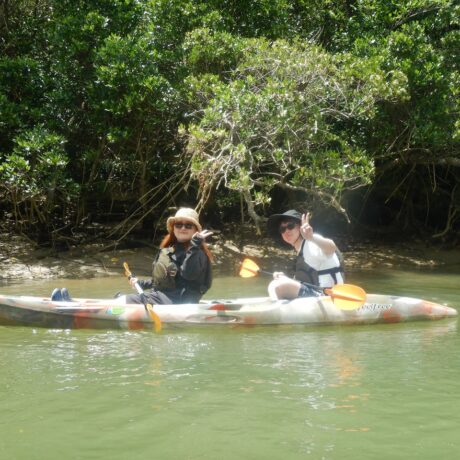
x,y
373,392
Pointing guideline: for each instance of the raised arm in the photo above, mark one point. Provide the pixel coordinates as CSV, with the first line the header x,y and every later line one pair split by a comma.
x,y
306,230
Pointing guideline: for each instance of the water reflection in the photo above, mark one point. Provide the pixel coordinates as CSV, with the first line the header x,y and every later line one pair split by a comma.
x,y
347,369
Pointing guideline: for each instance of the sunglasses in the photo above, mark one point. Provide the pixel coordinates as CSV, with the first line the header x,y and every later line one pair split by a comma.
x,y
288,226
183,224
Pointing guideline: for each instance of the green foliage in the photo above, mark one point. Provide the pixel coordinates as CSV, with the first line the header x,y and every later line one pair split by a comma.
x,y
288,113
211,51
128,80
303,95
21,85
33,176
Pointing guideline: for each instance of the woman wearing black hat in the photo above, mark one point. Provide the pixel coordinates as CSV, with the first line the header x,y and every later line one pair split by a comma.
x,y
318,261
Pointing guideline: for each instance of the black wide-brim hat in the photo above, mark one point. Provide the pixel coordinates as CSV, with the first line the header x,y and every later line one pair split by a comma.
x,y
273,223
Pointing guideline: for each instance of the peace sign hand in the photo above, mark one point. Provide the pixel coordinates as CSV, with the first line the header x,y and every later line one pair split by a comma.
x,y
306,230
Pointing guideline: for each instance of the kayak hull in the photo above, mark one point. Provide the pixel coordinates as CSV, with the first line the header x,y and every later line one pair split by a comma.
x,y
107,314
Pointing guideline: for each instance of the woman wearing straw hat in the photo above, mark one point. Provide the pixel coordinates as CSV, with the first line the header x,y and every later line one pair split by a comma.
x,y
182,269
318,260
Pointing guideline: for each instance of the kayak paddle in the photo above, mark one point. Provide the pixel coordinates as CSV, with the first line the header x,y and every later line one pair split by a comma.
x,y
249,269
148,307
344,296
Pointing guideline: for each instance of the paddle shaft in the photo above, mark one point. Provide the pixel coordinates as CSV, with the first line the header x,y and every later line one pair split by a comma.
x,y
148,307
140,291
138,288
130,275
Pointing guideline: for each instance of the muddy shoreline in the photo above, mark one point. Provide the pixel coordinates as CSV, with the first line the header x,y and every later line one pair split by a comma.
x,y
22,259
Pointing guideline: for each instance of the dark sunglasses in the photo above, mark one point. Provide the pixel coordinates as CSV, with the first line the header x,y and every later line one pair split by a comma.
x,y
288,226
183,224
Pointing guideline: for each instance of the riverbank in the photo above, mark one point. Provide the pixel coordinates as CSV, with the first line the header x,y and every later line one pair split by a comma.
x,y
22,259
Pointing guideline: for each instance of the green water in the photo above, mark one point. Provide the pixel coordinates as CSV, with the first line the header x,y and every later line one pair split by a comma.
x,y
368,392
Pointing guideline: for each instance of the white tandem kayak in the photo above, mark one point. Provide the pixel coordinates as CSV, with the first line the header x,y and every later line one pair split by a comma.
x,y
107,314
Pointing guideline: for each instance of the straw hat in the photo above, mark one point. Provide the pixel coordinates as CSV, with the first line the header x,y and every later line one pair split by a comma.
x,y
184,215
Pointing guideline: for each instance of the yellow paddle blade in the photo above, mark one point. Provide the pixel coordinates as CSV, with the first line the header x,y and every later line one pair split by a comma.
x,y
127,270
249,269
347,296
154,317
